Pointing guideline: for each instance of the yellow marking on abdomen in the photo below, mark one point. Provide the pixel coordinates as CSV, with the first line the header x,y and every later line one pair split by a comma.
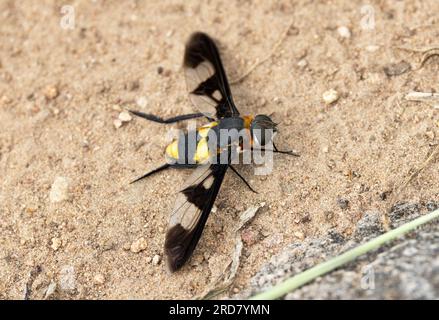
x,y
204,130
202,154
172,150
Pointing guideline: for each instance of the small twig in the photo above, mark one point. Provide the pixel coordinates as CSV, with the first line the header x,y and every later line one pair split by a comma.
x,y
428,97
259,62
418,50
225,280
404,185
427,54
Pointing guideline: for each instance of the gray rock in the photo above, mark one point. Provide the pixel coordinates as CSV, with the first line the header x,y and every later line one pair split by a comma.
x,y
407,268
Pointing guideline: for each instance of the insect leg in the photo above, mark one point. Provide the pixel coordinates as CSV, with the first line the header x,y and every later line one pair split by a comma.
x,y
276,150
242,178
291,153
154,118
163,167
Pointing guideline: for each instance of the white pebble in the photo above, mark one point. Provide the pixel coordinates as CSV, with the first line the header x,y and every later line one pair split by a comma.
x,y
372,48
117,123
139,245
56,243
116,107
125,116
99,278
141,102
60,190
330,96
344,32
302,63
156,260
299,235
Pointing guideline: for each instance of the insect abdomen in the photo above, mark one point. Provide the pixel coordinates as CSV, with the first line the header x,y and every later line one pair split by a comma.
x,y
191,147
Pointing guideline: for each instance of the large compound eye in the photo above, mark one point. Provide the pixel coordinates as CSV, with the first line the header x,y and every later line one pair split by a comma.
x,y
263,129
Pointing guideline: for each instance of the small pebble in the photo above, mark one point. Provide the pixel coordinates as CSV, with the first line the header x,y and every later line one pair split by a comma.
x,y
299,235
116,107
139,245
142,102
372,48
60,190
344,32
156,260
50,92
117,123
396,69
302,63
125,116
56,243
330,96
5,100
99,278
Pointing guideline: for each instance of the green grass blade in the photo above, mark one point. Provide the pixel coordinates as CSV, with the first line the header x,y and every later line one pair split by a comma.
x,y
325,267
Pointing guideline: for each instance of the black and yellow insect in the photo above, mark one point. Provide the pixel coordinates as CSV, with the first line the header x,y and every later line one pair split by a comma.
x,y
210,93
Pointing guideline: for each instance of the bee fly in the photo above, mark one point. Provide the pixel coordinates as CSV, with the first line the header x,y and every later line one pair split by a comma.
x,y
210,93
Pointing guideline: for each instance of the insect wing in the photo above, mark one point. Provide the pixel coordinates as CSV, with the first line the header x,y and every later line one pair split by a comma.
x,y
192,208
206,79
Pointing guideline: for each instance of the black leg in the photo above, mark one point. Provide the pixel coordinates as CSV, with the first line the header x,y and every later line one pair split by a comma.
x,y
154,118
242,178
291,153
163,167
276,150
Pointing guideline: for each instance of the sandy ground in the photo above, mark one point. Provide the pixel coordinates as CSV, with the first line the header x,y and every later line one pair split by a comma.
x,y
61,90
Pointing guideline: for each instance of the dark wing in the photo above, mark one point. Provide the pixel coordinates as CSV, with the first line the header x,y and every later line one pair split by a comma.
x,y
192,208
206,79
